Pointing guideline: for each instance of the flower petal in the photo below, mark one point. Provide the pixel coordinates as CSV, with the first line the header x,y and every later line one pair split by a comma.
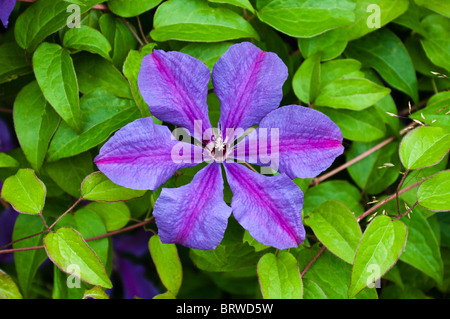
x,y
142,155
194,215
299,141
248,83
134,280
6,7
175,86
270,208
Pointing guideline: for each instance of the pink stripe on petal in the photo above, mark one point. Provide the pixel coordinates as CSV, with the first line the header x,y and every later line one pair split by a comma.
x,y
140,155
248,83
175,86
307,141
194,215
268,207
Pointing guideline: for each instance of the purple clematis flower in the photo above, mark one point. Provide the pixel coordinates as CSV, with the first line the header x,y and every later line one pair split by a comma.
x,y
248,83
132,274
6,7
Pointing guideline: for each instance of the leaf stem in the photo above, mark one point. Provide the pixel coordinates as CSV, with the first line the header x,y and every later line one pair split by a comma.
x,y
145,222
313,261
65,213
133,32
387,199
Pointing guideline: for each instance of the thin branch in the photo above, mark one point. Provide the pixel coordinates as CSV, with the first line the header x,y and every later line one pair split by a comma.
x,y
6,110
313,261
64,214
361,156
141,30
133,32
145,222
408,211
398,189
391,197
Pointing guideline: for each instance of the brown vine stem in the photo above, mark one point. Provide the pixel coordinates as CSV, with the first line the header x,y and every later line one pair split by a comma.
x,y
65,213
145,222
313,261
133,32
6,110
367,213
361,156
387,199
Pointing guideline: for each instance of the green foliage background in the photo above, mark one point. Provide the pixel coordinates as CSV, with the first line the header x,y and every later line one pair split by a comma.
x,y
69,89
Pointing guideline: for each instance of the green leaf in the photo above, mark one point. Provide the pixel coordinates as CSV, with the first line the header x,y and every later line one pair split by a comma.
x,y
363,126
385,52
436,111
56,76
8,288
230,255
338,190
306,18
331,43
366,13
131,69
279,276
330,273
311,290
422,249
196,21
438,6
434,193
131,8
208,53
167,263
380,247
66,248
13,62
375,172
245,4
69,173
89,39
98,187
424,146
8,161
340,69
35,125
93,73
89,224
53,15
165,295
103,113
437,42
253,242
352,93
336,227
27,262
25,192
306,80
119,36
97,293
114,215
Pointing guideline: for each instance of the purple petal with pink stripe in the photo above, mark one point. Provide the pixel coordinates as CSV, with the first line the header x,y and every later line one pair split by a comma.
x,y
301,142
6,7
270,208
141,155
248,83
175,86
194,215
